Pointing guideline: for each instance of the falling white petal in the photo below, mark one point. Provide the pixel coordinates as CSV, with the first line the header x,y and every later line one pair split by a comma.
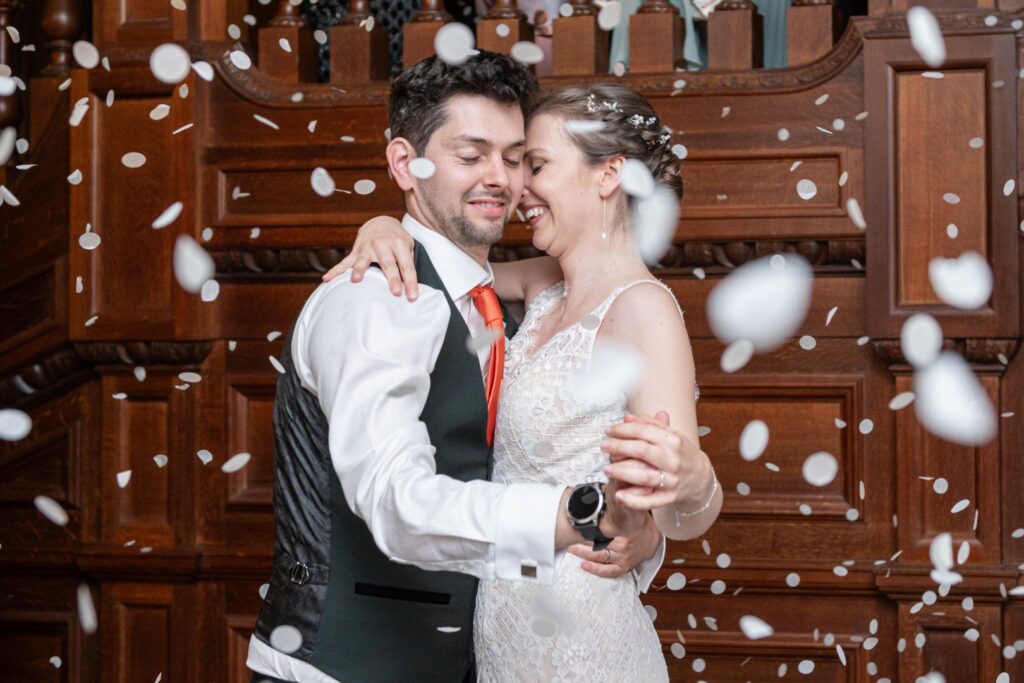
x,y
51,509
951,403
926,37
168,216
192,265
236,462
322,182
764,301
856,215
86,54
921,339
286,639
453,43
170,63
753,440
654,223
15,425
820,468
422,167
86,609
964,282
527,52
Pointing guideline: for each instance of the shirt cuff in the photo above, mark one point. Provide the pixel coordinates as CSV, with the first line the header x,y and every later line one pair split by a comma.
x,y
648,569
525,540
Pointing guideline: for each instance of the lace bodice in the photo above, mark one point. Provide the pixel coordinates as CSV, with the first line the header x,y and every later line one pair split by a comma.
x,y
546,431
582,628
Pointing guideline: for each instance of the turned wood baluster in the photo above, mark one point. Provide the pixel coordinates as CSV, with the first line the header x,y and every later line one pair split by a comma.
x,y
358,55
301,64
735,37
579,46
288,14
505,12
62,23
10,107
418,33
811,28
656,35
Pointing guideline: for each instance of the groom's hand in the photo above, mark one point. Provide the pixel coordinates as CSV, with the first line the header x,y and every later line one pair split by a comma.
x,y
627,552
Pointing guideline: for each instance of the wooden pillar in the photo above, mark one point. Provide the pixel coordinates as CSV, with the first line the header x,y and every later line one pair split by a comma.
x,y
735,37
300,64
579,46
490,35
418,33
10,107
61,21
358,55
656,35
811,29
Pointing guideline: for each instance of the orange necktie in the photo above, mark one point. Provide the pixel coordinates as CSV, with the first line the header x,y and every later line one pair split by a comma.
x,y
487,303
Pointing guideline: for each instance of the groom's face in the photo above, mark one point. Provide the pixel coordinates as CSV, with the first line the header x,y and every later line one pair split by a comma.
x,y
478,177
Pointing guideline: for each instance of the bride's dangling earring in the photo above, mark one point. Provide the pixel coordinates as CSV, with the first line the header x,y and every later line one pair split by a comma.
x,y
604,219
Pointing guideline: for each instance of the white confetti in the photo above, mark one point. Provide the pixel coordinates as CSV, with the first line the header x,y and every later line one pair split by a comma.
x,y
134,160
453,43
169,215
806,189
192,265
364,186
820,468
964,282
1008,187
75,177
856,215
322,182
753,440
205,456
783,134
266,122
160,459
960,506
51,509
680,151
737,355
422,168
901,400
610,15
822,99
86,54
656,217
926,37
236,462
636,179
210,291
764,301
160,111
527,52
15,424
921,339
204,69
951,403
284,44
123,478
7,140
86,609
240,59
831,314
755,628
169,63
277,365
286,639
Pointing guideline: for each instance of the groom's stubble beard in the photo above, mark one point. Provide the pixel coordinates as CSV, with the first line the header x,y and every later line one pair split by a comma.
x,y
454,224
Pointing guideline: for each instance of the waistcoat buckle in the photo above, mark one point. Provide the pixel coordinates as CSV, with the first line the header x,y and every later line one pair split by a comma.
x,y
299,573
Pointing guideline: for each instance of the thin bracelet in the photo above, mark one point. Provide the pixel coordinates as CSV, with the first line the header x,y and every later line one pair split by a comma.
x,y
714,490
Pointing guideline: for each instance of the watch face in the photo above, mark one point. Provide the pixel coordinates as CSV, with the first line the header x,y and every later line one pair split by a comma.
x,y
583,503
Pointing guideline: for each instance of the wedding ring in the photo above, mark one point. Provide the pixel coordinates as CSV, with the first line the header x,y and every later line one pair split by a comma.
x,y
609,560
661,483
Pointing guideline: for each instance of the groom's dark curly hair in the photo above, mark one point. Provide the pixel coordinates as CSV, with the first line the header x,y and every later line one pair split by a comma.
x,y
416,104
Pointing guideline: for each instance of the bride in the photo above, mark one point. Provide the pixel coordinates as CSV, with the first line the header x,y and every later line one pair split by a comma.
x,y
592,290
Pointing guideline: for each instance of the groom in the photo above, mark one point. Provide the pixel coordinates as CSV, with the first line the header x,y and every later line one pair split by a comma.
x,y
384,421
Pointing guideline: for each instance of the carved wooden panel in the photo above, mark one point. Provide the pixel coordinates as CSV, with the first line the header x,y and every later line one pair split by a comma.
x,y
967,473
250,430
138,633
935,641
904,201
147,22
124,290
28,642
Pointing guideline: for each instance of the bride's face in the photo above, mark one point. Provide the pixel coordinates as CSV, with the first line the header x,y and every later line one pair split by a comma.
x,y
560,202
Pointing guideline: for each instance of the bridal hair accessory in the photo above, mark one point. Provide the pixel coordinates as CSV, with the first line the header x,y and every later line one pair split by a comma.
x,y
648,124
714,490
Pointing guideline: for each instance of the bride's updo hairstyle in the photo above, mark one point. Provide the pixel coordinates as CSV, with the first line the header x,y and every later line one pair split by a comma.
x,y
630,128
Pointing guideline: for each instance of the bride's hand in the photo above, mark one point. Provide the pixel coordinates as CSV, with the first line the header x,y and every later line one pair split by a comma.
x,y
645,450
382,240
627,552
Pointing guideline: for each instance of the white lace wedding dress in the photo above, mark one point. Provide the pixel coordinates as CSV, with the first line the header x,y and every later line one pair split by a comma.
x,y
581,628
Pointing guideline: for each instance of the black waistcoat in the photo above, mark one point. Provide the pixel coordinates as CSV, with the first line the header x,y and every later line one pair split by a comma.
x,y
361,616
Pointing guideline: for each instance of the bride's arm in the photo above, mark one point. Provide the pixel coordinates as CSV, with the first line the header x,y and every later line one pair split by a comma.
x,y
645,317
383,240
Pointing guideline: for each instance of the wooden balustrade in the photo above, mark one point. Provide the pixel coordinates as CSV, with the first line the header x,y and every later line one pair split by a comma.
x,y
359,48
489,32
62,24
418,33
812,26
296,62
579,46
735,37
656,35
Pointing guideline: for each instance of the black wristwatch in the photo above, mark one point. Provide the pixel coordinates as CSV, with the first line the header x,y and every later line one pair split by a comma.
x,y
585,507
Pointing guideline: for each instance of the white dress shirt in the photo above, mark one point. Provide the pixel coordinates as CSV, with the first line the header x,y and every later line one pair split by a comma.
x,y
375,352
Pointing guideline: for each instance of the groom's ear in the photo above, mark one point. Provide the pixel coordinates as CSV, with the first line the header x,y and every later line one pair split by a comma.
x,y
399,153
610,176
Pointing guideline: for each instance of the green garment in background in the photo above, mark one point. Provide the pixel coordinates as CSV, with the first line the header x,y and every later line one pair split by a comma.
x,y
694,51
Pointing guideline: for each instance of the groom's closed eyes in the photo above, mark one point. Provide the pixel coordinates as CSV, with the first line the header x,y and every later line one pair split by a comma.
x,y
470,149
